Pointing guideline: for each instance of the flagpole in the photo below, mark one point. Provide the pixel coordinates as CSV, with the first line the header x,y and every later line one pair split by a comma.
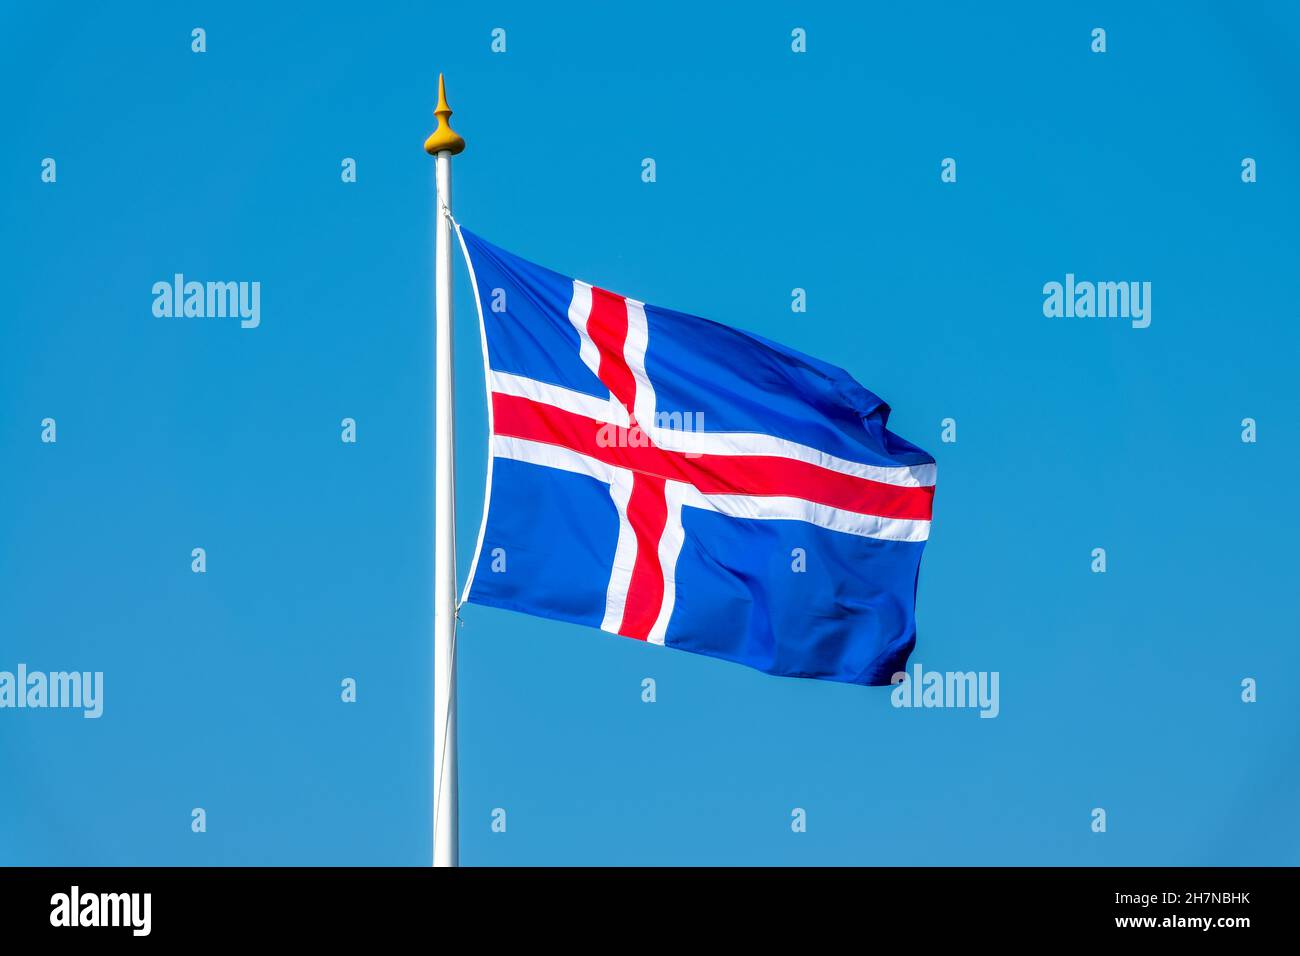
x,y
443,144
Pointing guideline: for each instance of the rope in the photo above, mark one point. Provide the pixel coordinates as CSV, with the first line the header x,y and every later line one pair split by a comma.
x,y
446,729
446,211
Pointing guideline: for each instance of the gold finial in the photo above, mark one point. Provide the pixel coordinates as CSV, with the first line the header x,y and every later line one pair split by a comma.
x,y
443,137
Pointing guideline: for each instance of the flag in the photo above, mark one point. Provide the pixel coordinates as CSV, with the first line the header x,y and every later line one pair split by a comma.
x,y
677,481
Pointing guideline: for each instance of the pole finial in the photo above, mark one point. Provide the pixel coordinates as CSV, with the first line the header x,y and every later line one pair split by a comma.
x,y
443,138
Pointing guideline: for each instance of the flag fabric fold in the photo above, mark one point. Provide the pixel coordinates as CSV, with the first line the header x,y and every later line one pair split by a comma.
x,y
677,481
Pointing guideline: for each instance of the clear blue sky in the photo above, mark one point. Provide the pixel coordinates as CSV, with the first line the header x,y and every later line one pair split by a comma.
x,y
775,171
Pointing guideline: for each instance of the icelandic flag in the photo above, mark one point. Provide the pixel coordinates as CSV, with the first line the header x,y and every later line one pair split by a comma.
x,y
677,481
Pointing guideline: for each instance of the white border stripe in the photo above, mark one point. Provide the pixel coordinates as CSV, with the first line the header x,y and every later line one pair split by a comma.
x,y
670,546
552,456
620,575
634,346
579,312
557,395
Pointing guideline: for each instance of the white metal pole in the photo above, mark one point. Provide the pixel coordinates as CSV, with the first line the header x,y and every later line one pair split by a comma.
x,y
443,144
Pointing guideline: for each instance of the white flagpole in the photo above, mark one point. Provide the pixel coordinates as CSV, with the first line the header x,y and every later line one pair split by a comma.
x,y
442,144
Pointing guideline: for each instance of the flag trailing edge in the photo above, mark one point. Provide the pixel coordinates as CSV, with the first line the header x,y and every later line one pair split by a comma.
x,y
678,481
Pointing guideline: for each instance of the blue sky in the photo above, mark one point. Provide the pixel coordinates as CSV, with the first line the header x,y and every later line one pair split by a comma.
x,y
775,170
